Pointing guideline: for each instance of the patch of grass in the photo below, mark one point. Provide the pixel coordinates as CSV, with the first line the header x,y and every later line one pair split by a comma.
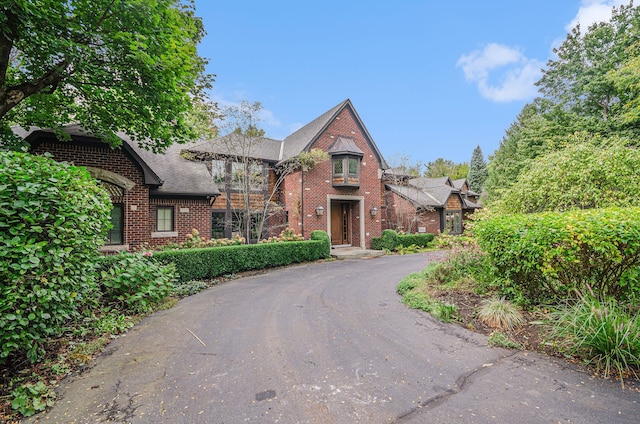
x,y
114,322
496,338
446,312
500,313
603,333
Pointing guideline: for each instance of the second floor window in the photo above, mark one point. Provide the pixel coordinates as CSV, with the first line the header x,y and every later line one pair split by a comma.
x,y
346,171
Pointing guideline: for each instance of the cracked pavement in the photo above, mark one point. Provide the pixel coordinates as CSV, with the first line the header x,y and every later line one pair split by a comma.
x,y
326,343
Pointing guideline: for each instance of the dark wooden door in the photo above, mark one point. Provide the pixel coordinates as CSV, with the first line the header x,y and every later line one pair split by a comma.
x,y
340,223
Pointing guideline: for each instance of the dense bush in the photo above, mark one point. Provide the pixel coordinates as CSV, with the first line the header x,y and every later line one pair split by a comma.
x,y
53,218
133,282
420,240
391,240
551,255
195,264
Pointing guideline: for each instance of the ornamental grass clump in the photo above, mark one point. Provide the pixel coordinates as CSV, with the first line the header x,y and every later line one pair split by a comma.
x,y
603,333
500,313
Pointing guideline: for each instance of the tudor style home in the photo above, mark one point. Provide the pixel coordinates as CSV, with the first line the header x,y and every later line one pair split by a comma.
x,y
428,205
342,195
157,198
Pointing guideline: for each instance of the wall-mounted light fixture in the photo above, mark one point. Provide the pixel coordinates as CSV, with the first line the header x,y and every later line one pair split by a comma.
x,y
373,211
319,210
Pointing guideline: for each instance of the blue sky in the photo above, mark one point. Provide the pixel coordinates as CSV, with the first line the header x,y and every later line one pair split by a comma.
x,y
428,78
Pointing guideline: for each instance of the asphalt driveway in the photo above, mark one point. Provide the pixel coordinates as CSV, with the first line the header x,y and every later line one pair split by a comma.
x,y
326,343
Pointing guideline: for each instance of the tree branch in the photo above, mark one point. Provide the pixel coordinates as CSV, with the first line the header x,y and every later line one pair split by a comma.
x,y
13,95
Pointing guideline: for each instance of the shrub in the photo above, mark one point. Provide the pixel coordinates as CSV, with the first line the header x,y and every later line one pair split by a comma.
x,y
376,243
550,255
420,240
389,240
193,240
601,332
197,264
133,282
53,218
285,235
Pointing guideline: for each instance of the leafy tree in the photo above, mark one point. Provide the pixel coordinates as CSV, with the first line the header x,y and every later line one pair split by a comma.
x,y
107,65
446,168
591,87
589,172
577,80
477,170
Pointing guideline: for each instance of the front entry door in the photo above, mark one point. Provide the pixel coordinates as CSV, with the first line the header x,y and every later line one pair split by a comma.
x,y
340,223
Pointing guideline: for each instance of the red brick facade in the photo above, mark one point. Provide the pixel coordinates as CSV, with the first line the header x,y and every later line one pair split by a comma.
x,y
304,191
139,204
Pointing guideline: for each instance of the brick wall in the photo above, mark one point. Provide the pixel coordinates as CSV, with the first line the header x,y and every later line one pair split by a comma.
x,y
140,211
301,202
401,215
188,214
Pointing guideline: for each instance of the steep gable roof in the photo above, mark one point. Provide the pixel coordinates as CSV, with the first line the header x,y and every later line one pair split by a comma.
x,y
303,139
424,182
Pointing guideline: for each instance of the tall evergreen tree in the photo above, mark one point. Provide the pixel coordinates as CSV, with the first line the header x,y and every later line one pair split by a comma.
x,y
477,170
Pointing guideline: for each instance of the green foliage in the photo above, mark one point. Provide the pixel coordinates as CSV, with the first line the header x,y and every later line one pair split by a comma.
x,y
325,248
197,264
134,282
601,332
112,323
477,170
53,218
420,240
193,240
189,288
389,240
286,235
30,398
548,256
446,312
496,338
146,77
590,87
446,168
580,176
412,281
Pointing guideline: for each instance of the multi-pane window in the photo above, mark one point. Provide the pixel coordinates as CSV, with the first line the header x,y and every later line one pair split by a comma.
x,y
115,234
217,225
218,172
165,218
346,171
453,221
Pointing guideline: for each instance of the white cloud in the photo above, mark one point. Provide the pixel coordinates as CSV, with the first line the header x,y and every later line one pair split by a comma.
x,y
592,11
515,73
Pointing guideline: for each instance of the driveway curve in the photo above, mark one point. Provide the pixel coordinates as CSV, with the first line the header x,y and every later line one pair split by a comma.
x,y
325,343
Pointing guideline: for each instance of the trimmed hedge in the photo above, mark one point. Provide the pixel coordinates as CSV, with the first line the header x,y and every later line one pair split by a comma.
x,y
197,264
549,256
420,240
391,240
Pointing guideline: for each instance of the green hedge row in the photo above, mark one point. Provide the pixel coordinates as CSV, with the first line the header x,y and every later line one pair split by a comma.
x,y
197,264
391,240
551,255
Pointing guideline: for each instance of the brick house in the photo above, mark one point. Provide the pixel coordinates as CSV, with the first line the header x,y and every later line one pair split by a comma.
x,y
341,195
157,198
428,205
